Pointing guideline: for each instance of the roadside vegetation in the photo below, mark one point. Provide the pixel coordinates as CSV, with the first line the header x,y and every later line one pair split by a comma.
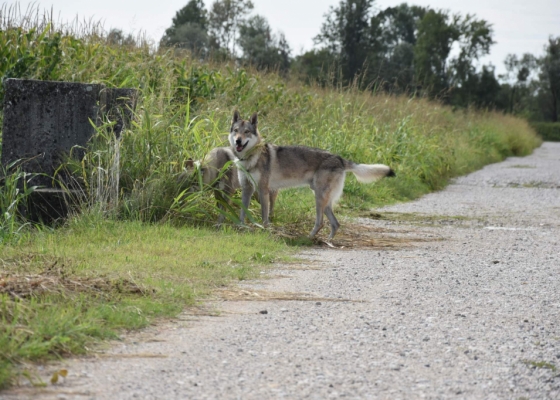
x,y
150,248
549,131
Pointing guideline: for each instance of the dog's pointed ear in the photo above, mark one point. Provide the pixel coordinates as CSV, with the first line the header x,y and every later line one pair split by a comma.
x,y
235,117
254,119
189,163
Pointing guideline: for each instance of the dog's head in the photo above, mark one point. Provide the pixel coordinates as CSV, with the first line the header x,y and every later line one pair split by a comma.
x,y
243,134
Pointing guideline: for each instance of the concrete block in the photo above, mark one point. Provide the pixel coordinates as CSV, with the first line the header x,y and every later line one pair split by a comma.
x,y
44,121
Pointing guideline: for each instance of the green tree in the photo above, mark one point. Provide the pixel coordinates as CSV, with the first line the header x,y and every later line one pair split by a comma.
x,y
224,19
394,32
517,82
346,33
487,89
261,47
474,38
479,89
400,24
435,38
193,13
550,78
435,70
188,28
117,37
406,49
315,66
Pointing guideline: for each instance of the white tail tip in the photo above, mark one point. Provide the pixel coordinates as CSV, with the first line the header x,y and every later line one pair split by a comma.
x,y
367,173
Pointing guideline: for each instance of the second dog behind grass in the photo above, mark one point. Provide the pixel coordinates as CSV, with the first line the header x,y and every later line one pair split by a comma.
x,y
225,183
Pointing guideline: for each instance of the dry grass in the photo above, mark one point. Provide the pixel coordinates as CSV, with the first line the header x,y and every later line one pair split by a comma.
x,y
25,286
56,278
352,236
300,267
238,294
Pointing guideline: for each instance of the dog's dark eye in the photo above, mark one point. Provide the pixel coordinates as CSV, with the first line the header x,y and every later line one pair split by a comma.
x,y
246,131
236,130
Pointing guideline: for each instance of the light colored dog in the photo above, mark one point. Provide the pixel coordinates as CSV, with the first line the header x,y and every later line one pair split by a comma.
x,y
267,167
218,170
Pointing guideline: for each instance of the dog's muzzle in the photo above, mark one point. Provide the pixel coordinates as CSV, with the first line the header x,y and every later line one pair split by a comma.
x,y
239,146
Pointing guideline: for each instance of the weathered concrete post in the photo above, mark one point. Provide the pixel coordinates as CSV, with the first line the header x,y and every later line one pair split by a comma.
x,y
44,121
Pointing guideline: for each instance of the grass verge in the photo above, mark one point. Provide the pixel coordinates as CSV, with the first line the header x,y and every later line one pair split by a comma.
x,y
94,277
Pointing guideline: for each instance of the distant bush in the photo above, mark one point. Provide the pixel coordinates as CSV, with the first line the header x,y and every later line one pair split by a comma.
x,y
549,131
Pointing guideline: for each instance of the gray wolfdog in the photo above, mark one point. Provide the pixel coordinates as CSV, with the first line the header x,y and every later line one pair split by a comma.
x,y
268,167
224,182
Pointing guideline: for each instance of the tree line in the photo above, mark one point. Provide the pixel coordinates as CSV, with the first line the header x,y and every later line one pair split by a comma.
x,y
405,49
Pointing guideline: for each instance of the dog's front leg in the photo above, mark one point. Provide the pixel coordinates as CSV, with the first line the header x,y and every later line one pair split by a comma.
x,y
264,199
246,193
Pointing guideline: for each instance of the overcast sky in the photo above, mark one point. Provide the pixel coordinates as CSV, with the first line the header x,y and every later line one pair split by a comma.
x,y
520,26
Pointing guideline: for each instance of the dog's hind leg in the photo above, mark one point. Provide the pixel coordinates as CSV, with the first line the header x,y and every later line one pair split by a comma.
x,y
320,203
272,198
337,187
332,219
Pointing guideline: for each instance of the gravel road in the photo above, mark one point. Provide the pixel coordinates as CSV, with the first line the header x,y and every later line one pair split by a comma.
x,y
469,308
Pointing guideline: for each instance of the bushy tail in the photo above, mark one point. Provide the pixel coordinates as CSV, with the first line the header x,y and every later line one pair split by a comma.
x,y
367,173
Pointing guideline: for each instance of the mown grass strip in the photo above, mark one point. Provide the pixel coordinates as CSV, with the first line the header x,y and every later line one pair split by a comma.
x,y
93,278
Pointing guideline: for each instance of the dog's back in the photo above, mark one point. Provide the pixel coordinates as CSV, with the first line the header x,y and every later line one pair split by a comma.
x,y
292,166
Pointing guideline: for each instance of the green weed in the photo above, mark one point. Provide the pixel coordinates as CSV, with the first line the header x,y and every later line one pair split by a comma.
x,y
540,364
14,194
522,166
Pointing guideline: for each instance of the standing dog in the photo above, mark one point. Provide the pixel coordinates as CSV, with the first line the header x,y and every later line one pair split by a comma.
x,y
268,167
218,169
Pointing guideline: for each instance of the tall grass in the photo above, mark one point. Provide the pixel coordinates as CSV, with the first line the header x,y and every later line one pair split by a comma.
x,y
14,195
548,130
186,106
